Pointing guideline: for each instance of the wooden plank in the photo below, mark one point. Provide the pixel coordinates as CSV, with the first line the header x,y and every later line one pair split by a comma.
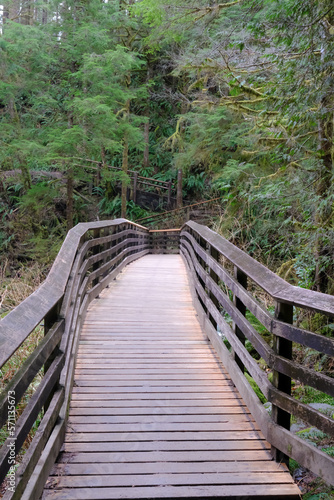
x,y
168,479
102,394
124,343
91,355
165,427
155,420
142,353
160,406
95,436
187,367
234,444
169,467
277,492
156,410
154,413
166,456
181,379
146,389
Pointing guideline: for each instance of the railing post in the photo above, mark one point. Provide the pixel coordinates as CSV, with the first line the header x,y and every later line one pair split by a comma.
x,y
242,279
96,250
215,255
109,245
106,232
282,347
49,320
202,243
165,242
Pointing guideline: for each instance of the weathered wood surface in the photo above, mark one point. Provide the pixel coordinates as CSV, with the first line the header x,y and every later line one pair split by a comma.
x,y
199,251
154,413
277,287
20,322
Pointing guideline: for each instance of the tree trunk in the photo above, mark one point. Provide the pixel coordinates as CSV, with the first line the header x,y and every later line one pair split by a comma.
x,y
125,160
324,214
100,166
146,159
45,14
69,207
103,155
11,10
26,177
125,166
27,13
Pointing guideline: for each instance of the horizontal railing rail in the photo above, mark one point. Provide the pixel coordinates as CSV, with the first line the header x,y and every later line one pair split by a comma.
x,y
165,240
223,277
91,256
221,274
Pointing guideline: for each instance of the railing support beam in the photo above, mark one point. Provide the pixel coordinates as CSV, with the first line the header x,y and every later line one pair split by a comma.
x,y
215,254
282,347
242,279
49,320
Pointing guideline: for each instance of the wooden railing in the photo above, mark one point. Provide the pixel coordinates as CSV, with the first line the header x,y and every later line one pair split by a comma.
x,y
150,183
165,240
221,274
91,256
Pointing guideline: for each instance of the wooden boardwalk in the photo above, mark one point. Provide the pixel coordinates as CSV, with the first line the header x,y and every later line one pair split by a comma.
x,y
154,413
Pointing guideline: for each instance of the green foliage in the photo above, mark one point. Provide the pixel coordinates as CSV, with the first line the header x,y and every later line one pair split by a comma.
x,y
238,96
256,388
293,465
113,208
193,184
318,496
308,394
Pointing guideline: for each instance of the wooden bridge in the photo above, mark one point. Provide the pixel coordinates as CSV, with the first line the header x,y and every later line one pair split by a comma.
x,y
144,388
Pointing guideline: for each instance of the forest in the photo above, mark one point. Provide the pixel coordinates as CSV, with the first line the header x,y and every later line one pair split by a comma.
x,y
237,95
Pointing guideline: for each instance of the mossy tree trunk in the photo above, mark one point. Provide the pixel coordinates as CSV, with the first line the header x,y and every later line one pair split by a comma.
x,y
25,174
125,167
125,157
69,204
324,214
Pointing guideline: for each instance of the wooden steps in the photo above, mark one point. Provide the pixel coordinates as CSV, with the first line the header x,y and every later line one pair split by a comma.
x,y
154,413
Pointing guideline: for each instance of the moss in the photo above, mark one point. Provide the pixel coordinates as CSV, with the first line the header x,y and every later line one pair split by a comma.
x,y
293,465
256,388
307,395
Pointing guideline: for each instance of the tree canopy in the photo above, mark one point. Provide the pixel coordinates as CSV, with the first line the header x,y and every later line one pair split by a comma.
x,y
237,94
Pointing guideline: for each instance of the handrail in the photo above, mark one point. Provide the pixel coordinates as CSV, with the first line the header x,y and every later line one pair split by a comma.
x,y
157,182
50,292
206,254
91,256
148,218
